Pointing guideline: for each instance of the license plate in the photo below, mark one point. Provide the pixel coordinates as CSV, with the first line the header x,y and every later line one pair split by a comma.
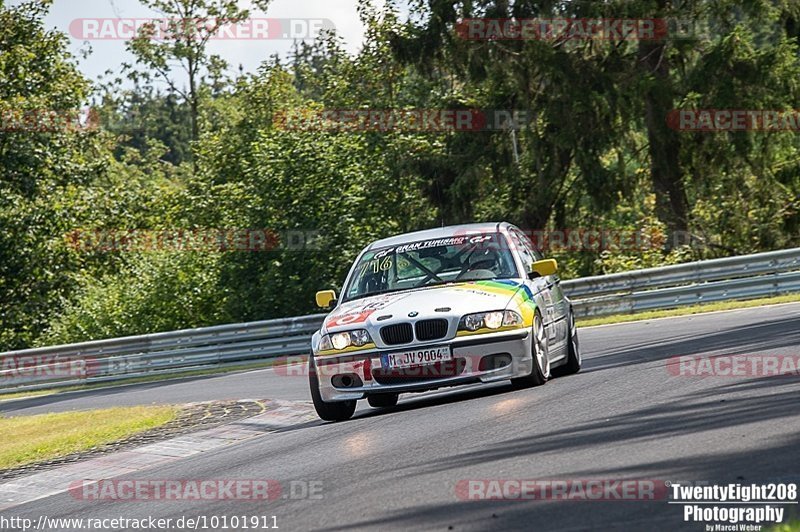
x,y
417,357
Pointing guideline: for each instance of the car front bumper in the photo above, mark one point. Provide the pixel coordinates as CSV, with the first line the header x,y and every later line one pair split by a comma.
x,y
476,358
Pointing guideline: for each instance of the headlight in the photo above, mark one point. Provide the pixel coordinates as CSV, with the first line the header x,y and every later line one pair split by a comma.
x,y
343,340
493,320
511,318
360,337
490,320
473,322
325,343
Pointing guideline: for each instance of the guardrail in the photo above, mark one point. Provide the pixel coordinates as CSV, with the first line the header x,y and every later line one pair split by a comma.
x,y
745,277
156,354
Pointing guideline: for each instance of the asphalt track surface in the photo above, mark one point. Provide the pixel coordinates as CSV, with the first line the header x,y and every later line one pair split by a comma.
x,y
625,416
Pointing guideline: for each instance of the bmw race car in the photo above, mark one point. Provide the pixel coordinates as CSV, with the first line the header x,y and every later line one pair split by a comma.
x,y
442,307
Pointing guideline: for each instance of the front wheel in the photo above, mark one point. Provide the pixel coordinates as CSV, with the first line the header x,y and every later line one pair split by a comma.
x,y
573,364
338,411
541,357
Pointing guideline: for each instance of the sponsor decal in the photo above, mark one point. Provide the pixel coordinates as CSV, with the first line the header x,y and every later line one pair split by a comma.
x,y
522,295
439,242
360,313
349,318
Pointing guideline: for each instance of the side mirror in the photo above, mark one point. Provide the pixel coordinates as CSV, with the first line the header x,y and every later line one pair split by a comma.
x,y
325,298
543,268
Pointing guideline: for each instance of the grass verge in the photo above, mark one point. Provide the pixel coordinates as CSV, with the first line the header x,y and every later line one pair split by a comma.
x,y
138,380
27,439
686,311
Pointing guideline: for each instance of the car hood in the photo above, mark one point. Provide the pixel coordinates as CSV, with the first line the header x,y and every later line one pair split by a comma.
x,y
440,301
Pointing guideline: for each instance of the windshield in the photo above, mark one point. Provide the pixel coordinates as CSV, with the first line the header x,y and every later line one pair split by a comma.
x,y
431,262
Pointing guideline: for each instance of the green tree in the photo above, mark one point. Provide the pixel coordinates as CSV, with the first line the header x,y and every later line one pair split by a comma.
x,y
190,24
44,155
600,115
141,114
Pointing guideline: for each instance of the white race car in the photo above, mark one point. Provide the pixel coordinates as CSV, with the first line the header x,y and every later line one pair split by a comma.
x,y
442,307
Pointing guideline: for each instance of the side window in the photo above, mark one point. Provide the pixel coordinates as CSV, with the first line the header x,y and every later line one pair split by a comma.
x,y
526,242
522,248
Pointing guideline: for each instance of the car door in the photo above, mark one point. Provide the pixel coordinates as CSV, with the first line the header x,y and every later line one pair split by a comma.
x,y
538,285
557,303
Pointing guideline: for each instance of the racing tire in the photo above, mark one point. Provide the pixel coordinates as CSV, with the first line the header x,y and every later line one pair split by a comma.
x,y
384,400
338,411
541,358
573,364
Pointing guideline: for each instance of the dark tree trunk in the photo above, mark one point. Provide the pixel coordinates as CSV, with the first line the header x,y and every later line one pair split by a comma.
x,y
664,143
543,196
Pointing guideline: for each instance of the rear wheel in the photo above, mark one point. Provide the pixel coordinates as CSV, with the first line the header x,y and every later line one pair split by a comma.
x,y
541,357
573,364
338,411
384,400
